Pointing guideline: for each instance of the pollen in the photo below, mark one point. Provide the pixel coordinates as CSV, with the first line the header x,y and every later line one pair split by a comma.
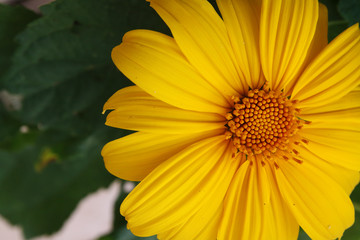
x,y
262,121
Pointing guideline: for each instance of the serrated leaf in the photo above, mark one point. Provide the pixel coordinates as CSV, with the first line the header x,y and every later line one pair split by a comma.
x,y
63,67
350,10
10,26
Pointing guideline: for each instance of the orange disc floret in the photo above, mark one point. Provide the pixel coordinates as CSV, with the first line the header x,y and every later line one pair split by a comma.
x,y
261,121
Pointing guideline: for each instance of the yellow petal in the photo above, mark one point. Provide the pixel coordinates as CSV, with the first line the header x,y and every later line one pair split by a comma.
x,y
244,204
126,95
278,213
287,28
233,218
204,224
154,62
336,146
346,178
333,73
133,157
337,138
253,208
176,190
342,114
242,24
320,205
348,119
318,43
320,40
202,37
142,112
348,102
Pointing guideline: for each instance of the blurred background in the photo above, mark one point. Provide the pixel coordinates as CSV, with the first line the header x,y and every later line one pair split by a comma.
x,y
93,216
55,75
30,4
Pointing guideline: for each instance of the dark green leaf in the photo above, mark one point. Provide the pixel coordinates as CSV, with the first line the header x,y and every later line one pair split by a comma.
x,y
337,24
350,10
40,186
355,196
63,67
332,9
12,21
335,28
303,235
6,163
64,73
12,126
353,233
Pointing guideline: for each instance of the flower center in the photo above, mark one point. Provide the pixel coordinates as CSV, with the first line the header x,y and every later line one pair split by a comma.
x,y
261,121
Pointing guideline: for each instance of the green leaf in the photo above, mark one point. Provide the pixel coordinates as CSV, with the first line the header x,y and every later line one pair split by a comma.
x,y
10,26
350,10
63,67
333,12
337,23
64,73
41,186
336,27
353,233
6,163
12,126
303,235
355,197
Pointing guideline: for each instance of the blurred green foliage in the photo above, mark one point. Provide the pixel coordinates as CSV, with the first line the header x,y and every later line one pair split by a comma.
x,y
342,14
350,10
57,66
10,26
63,72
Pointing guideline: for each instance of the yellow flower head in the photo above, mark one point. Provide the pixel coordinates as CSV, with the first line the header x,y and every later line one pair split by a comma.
x,y
248,124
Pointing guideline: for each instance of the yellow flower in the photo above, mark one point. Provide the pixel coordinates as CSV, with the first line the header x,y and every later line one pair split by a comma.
x,y
247,125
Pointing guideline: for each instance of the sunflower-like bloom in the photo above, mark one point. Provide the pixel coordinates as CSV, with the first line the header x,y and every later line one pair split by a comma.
x,y
247,125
